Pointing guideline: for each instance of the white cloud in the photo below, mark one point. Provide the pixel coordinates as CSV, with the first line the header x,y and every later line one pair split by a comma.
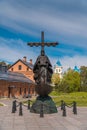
x,y
9,54
63,20
70,62
29,19
12,50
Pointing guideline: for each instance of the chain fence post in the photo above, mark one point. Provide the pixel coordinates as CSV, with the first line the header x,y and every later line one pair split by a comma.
x,y
41,111
62,104
74,108
28,104
64,109
20,109
13,107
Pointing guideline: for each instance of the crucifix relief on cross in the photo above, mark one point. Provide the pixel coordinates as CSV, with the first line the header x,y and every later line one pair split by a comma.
x,y
42,43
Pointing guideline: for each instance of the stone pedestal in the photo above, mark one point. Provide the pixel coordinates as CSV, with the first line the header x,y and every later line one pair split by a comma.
x,y
49,106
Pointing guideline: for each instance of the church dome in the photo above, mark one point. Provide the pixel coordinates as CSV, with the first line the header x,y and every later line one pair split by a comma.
x,y
58,63
76,69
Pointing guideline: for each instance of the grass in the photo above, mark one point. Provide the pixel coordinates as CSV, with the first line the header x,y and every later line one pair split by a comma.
x,y
79,97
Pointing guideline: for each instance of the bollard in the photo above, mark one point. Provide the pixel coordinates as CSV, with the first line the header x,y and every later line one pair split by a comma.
x,y
28,104
20,109
61,104
41,111
13,107
74,108
64,109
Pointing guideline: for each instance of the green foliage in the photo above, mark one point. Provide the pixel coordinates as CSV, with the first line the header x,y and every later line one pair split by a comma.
x,y
4,63
83,75
70,82
55,79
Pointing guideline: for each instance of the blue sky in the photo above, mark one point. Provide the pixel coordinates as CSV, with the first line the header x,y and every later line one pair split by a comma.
x,y
63,21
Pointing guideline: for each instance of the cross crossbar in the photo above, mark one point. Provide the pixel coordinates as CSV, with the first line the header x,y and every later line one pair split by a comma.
x,y
42,43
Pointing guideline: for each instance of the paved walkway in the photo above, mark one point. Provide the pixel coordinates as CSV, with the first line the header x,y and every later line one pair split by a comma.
x,y
31,121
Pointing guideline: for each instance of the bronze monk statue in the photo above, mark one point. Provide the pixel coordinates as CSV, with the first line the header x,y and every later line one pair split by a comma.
x,y
42,69
42,75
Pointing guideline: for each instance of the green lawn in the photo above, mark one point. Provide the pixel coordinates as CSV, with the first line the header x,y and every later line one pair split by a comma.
x,y
79,97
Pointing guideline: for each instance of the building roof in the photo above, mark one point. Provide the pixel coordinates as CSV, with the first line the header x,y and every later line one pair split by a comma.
x,y
28,64
14,77
58,63
24,62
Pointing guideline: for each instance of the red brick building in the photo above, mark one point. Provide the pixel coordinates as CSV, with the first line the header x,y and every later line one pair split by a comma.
x,y
18,80
23,66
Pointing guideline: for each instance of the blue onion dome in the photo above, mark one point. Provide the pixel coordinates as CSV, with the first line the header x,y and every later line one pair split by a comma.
x,y
76,69
58,63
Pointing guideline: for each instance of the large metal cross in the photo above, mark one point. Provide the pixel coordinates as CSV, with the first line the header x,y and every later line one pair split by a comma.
x,y
42,43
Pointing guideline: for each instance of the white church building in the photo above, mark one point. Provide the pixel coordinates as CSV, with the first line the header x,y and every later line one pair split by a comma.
x,y
58,69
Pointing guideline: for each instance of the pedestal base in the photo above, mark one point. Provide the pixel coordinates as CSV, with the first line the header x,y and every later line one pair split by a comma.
x,y
49,106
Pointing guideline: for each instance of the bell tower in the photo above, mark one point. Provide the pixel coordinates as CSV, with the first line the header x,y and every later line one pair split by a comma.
x,y
58,69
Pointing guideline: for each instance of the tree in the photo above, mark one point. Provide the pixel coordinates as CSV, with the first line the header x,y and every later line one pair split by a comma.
x,y
70,81
83,78
5,64
55,80
2,63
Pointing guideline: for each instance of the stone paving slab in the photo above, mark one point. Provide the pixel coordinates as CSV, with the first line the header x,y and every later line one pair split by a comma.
x,y
31,121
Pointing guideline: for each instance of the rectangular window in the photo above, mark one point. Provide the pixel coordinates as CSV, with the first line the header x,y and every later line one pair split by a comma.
x,y
19,67
27,69
20,91
56,71
11,69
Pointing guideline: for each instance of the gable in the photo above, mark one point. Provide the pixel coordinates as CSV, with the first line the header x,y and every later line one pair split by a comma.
x,y
19,66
